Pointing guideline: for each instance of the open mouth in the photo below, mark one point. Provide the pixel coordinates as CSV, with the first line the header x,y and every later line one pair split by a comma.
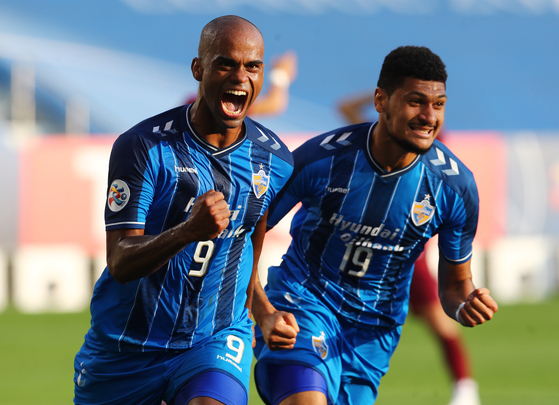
x,y
423,131
234,102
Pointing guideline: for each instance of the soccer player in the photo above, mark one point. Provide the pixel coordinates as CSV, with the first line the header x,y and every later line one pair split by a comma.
x,y
372,195
185,219
424,300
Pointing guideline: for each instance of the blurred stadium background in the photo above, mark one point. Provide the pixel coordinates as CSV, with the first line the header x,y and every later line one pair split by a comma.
x,y
73,75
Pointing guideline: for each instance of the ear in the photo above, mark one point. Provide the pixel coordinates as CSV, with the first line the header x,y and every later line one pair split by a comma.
x,y
197,70
381,100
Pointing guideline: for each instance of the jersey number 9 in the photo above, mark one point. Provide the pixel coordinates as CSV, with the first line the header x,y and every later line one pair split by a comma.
x,y
202,255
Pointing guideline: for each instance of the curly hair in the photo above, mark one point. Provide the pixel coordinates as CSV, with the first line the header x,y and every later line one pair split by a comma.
x,y
418,62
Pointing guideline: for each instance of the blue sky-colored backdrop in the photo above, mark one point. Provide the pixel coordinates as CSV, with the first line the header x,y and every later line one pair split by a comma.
x,y
502,55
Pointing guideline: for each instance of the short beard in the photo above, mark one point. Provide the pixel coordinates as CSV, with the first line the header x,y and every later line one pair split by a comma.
x,y
408,146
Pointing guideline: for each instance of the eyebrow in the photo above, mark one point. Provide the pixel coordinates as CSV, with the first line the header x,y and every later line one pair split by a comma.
x,y
227,59
420,94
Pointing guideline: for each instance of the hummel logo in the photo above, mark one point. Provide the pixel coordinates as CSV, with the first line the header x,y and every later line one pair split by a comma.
x,y
264,138
180,169
453,171
342,141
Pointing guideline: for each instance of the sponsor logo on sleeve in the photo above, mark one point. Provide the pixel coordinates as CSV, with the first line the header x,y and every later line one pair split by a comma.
x,y
119,194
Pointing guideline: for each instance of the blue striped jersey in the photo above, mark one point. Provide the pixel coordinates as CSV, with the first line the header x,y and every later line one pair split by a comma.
x,y
156,171
360,228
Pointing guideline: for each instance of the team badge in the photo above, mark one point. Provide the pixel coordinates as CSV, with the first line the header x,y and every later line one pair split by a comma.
x,y
423,211
260,183
319,345
119,194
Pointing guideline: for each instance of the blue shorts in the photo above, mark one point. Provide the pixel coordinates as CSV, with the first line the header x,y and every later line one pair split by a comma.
x,y
351,359
108,377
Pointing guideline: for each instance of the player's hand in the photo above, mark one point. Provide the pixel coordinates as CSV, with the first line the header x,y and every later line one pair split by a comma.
x,y
478,308
209,216
279,330
288,63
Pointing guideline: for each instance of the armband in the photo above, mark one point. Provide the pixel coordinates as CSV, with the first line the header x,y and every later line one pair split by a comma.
x,y
457,314
279,78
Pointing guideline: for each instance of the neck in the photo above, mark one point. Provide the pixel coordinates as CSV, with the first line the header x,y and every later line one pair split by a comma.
x,y
209,129
386,151
222,140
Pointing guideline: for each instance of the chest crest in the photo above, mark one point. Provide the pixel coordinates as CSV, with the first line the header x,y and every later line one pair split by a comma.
x,y
422,211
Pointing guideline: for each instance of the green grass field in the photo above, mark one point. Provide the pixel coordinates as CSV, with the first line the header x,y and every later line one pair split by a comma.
x,y
516,359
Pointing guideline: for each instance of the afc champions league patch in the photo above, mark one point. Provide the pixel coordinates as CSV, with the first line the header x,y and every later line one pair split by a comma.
x,y
119,194
423,211
260,182
319,345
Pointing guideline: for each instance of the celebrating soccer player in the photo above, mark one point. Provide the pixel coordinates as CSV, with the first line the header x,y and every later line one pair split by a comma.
x,y
188,190
372,195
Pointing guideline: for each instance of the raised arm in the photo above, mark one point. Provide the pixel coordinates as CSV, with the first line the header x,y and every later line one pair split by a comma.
x,y
132,255
276,99
461,300
353,109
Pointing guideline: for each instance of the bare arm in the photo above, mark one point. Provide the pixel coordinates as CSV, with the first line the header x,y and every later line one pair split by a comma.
x,y
353,109
132,255
456,287
278,328
257,242
281,75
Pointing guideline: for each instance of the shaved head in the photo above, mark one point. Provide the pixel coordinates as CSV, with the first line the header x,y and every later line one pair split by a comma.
x,y
222,27
230,71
